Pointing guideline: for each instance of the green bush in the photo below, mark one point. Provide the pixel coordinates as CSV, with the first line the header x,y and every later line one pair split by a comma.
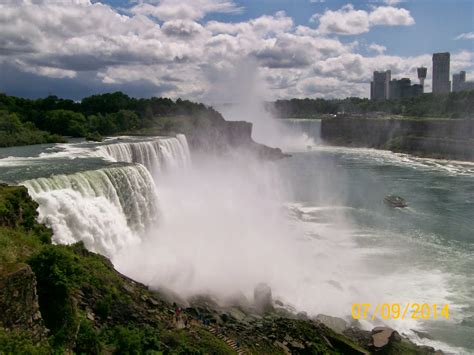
x,y
88,340
15,342
57,273
130,340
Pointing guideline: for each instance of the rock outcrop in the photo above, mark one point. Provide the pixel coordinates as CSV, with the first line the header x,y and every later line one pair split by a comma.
x,y
19,307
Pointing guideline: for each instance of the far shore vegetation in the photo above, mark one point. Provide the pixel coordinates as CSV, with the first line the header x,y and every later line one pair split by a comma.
x,y
51,119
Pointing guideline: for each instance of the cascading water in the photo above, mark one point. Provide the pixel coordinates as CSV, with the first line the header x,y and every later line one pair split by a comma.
x,y
157,155
107,208
112,207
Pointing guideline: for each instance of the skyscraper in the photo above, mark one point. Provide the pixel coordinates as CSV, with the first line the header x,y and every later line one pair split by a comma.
x,y
380,86
460,83
441,83
458,80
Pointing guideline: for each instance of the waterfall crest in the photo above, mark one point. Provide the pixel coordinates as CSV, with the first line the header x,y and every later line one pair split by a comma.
x,y
157,155
107,208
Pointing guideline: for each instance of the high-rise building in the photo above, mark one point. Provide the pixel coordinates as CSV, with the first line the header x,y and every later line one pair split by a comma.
x,y
441,83
460,83
380,86
402,88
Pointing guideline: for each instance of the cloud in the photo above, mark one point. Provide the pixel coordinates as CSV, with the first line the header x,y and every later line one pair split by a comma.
x,y
349,21
377,48
75,48
184,9
390,16
393,2
467,35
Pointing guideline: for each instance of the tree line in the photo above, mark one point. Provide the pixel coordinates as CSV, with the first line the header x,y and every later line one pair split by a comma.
x,y
26,121
454,105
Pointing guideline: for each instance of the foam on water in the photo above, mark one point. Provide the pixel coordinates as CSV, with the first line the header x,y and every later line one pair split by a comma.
x,y
106,208
156,154
450,167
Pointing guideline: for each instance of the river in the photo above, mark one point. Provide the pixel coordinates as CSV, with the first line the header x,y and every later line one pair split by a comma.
x,y
313,226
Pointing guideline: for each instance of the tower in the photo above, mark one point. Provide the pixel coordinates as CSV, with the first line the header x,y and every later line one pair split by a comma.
x,y
380,86
441,83
421,71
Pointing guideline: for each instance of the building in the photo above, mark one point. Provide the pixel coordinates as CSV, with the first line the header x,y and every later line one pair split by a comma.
x,y
460,83
441,83
421,71
400,89
380,86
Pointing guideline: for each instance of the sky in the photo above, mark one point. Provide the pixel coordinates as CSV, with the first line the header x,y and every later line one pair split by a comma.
x,y
202,49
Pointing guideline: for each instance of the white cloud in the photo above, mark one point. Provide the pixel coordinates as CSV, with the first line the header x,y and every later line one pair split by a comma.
x,y
392,2
390,16
349,21
184,9
186,56
467,35
377,48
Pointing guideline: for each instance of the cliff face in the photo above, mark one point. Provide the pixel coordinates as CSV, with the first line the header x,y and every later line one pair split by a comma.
x,y
218,136
19,303
452,139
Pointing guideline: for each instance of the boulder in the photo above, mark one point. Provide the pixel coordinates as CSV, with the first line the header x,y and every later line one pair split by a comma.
x,y
382,336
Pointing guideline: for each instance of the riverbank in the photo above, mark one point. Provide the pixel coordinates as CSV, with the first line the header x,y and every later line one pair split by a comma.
x,y
432,138
57,298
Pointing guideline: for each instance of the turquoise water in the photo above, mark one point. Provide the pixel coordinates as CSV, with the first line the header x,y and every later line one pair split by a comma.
x,y
433,236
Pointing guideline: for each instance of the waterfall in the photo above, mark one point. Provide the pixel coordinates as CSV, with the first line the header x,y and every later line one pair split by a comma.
x,y
157,155
107,209
311,128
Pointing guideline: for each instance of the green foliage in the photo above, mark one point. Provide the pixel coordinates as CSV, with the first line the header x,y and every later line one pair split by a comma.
x,y
16,209
57,272
65,122
14,132
95,116
87,340
454,105
15,342
133,340
94,136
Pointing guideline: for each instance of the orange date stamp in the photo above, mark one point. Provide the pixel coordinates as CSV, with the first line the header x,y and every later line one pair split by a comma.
x,y
400,311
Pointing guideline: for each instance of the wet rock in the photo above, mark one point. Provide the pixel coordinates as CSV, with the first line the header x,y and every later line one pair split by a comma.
x,y
263,298
382,336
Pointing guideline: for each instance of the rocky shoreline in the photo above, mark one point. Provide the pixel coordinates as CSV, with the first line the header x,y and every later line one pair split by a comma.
x,y
65,299
430,138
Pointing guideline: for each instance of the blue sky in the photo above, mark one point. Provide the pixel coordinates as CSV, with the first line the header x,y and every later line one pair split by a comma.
x,y
438,22
188,48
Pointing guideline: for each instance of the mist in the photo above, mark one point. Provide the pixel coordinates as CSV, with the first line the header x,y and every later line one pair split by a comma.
x,y
230,222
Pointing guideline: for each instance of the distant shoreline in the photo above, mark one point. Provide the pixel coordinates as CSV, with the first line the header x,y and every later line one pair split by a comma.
x,y
451,139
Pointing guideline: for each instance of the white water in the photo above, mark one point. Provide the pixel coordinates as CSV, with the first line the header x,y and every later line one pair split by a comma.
x,y
157,155
106,208
109,208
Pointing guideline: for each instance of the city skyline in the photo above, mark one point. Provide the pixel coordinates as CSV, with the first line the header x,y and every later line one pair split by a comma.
x,y
195,49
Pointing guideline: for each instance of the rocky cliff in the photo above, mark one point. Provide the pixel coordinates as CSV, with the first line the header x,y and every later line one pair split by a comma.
x,y
216,135
438,138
